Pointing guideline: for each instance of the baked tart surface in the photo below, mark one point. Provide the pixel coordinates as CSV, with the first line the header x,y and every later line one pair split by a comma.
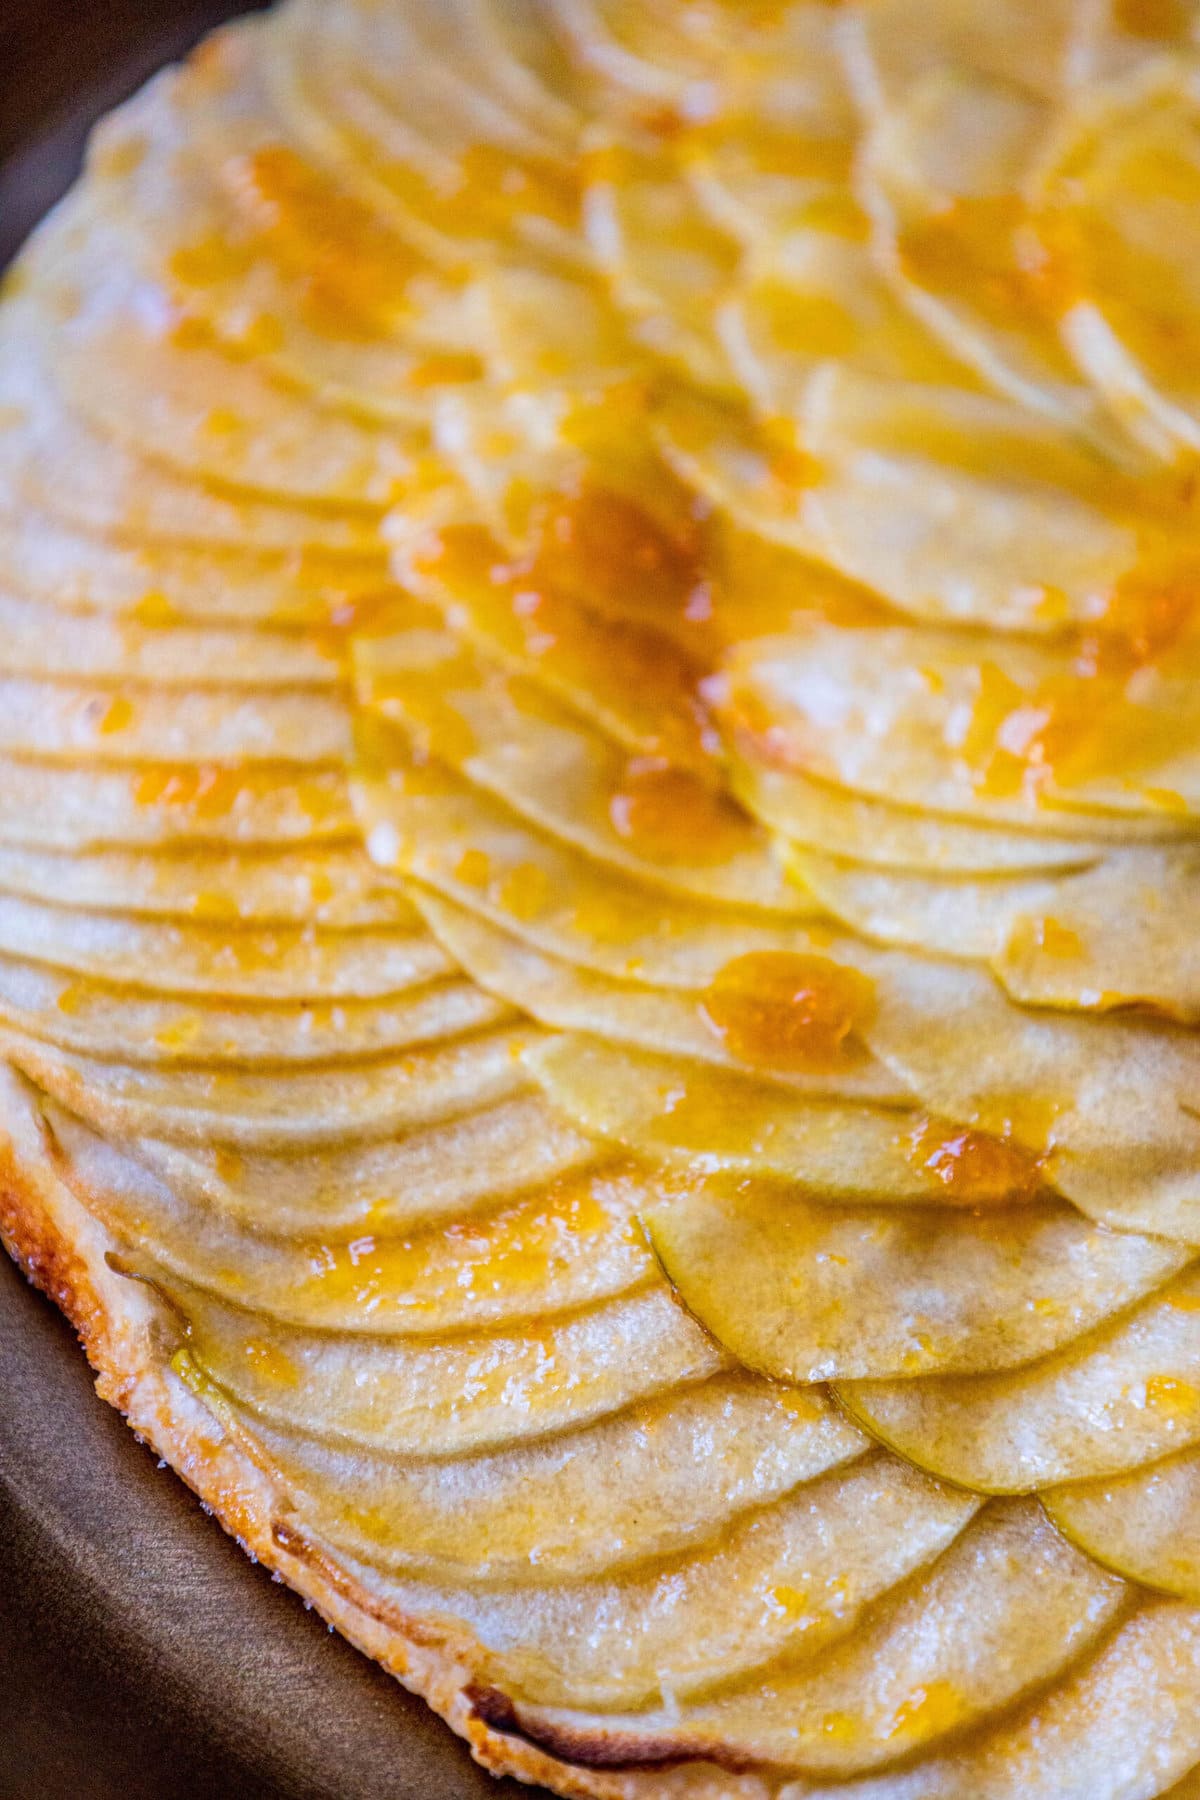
x,y
599,863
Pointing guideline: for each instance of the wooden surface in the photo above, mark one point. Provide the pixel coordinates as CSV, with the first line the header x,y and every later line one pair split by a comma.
x,y
142,1657
62,63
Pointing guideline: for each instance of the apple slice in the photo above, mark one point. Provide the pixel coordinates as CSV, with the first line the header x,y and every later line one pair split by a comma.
x,y
780,1583
578,1503
80,1014
414,1178
661,1020
807,1292
453,1396
185,957
662,826
821,817
1125,1394
274,1110
1007,1609
1145,1524
571,1243
683,1112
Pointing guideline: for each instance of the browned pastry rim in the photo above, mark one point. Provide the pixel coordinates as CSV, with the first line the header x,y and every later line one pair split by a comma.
x,y
129,1335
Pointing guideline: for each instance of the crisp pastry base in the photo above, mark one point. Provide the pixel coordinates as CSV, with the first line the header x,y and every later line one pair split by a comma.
x,y
129,1336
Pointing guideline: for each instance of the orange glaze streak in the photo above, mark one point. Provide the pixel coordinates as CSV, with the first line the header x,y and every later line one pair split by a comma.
x,y
268,1360
1085,723
615,557
928,1712
789,1011
489,187
351,272
1164,19
668,815
205,789
1055,939
1168,1395
969,1165
975,250
637,673
1099,241
520,1247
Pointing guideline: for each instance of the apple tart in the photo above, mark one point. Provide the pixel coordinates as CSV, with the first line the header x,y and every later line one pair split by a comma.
x,y
600,863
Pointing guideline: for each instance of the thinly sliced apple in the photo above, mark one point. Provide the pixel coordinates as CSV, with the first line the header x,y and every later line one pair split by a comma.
x,y
69,723
929,736
336,888
1126,1394
33,644
82,1015
1122,1727
51,461
943,168
1125,239
1107,1100
261,1110
61,807
448,1396
699,1117
952,916
827,819
665,828
782,1583
1007,1609
807,1292
266,442
469,848
1146,1524
58,564
194,958
571,1243
658,1020
578,1503
426,1174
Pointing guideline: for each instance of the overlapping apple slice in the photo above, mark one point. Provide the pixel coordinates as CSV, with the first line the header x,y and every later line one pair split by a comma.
x,y
1117,1399
930,1661
1116,212
597,679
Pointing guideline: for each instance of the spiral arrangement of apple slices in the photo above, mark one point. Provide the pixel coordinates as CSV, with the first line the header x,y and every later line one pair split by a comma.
x,y
600,859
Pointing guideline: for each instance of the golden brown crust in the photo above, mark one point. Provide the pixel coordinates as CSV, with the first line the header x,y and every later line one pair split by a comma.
x,y
128,1335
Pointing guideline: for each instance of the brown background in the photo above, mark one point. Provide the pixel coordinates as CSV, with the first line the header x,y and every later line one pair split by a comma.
x,y
142,1657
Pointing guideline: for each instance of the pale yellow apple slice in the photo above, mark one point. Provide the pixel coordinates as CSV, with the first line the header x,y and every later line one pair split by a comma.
x,y
186,957
686,1113
81,1014
1145,1524
64,807
51,561
49,460
819,816
809,1292
1126,1394
336,887
563,775
1007,1609
781,1583
262,1110
431,1172
568,1244
659,1020
455,1396
37,643
1007,731
581,1502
